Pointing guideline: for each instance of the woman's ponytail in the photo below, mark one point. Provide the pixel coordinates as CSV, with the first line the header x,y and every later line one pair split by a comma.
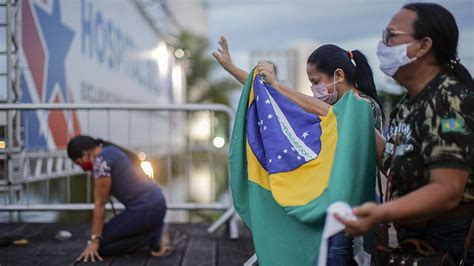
x,y
329,57
364,79
130,154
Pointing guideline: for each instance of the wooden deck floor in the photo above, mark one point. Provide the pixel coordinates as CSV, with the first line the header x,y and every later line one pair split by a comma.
x,y
196,248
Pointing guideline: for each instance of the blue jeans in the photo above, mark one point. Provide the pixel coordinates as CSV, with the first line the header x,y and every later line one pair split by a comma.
x,y
447,236
133,229
340,251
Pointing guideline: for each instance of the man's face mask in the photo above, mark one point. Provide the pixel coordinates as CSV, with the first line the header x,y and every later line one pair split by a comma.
x,y
393,57
321,92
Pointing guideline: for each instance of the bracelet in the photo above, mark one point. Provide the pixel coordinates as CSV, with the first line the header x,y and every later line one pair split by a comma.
x,y
95,237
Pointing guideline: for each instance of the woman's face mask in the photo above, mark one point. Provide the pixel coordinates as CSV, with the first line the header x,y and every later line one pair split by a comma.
x,y
321,92
86,165
86,162
393,57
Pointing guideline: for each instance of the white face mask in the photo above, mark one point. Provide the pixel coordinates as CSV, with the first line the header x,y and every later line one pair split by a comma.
x,y
393,57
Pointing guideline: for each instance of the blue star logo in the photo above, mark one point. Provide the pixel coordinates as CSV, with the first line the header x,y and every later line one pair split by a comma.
x,y
58,38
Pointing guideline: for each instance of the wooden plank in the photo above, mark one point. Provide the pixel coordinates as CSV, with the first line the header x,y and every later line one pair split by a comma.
x,y
235,252
135,259
24,255
105,262
198,248
44,249
202,248
177,233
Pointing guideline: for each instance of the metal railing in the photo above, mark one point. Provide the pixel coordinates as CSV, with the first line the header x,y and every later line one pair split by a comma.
x,y
163,133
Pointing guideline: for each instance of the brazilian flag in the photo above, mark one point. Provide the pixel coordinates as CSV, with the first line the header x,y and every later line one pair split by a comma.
x,y
288,166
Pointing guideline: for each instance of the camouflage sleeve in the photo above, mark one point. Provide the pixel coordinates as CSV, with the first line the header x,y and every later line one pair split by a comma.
x,y
448,136
378,120
376,111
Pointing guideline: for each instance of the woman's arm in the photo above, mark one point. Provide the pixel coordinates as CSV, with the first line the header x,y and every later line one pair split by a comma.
x,y
101,196
380,145
308,103
442,194
222,56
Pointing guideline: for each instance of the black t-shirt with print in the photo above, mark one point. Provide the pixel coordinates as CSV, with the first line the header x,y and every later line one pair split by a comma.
x,y
435,129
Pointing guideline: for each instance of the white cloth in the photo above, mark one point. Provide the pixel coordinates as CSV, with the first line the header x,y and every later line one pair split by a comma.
x,y
333,226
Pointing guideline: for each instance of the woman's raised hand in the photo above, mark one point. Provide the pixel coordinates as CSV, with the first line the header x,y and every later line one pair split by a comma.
x,y
222,54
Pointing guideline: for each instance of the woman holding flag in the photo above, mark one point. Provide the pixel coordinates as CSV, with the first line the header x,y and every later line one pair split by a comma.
x,y
332,72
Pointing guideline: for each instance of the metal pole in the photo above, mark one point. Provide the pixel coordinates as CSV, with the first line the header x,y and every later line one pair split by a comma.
x,y
10,99
222,220
9,138
68,177
68,188
251,261
16,69
27,188
212,115
189,159
118,206
108,124
150,147
115,106
168,159
88,186
88,121
129,128
47,190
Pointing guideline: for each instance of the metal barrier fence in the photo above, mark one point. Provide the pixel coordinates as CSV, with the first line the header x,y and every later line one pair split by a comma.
x,y
162,132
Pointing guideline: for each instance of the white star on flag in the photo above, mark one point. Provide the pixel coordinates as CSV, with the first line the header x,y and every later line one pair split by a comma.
x,y
305,134
279,157
264,127
267,101
258,97
299,157
270,116
270,160
285,151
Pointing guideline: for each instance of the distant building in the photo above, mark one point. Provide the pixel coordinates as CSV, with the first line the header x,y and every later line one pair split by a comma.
x,y
191,15
290,63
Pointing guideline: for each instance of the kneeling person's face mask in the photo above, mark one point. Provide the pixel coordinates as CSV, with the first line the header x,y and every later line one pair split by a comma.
x,y
87,165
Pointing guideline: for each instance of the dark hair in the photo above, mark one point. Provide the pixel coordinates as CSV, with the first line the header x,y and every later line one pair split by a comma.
x,y
81,143
329,57
438,23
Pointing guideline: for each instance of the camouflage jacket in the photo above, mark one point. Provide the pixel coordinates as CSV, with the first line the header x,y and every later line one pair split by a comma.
x,y
434,129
